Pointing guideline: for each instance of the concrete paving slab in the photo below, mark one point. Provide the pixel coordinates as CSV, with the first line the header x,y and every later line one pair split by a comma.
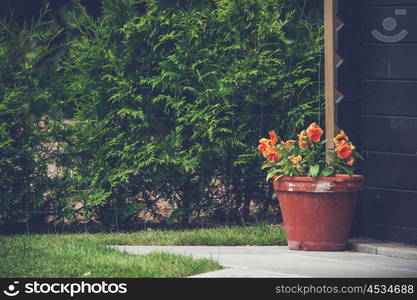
x,y
391,249
279,261
243,273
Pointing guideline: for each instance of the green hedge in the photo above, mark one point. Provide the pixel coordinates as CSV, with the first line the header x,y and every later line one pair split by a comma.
x,y
155,100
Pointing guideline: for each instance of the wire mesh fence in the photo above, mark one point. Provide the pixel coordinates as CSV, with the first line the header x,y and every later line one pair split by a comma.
x,y
164,213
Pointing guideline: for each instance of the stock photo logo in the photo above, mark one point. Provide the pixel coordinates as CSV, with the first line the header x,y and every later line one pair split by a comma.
x,y
390,25
70,289
12,290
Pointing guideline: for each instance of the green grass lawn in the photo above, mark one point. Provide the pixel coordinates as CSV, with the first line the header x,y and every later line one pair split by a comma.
x,y
226,236
86,255
82,256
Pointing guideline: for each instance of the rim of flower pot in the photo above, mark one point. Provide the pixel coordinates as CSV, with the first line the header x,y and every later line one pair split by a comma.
x,y
334,184
337,177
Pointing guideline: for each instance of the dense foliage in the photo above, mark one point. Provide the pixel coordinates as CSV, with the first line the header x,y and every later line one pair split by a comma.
x,y
153,105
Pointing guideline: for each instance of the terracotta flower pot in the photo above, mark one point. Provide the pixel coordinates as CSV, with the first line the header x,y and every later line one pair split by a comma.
x,y
318,212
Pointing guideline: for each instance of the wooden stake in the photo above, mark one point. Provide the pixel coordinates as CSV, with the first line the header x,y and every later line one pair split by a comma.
x,y
330,60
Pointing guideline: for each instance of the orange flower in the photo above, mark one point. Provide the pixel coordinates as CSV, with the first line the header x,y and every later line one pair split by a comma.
x,y
340,137
295,159
273,137
289,143
314,132
273,156
344,150
263,145
302,140
350,161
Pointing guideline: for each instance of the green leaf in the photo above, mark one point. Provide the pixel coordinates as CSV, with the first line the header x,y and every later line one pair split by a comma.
x,y
272,173
267,165
326,172
269,176
314,170
347,170
358,155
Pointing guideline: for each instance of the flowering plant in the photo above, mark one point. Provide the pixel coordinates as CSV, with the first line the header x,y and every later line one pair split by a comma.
x,y
307,155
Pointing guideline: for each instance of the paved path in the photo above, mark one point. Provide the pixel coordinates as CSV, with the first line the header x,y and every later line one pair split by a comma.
x,y
386,248
279,261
